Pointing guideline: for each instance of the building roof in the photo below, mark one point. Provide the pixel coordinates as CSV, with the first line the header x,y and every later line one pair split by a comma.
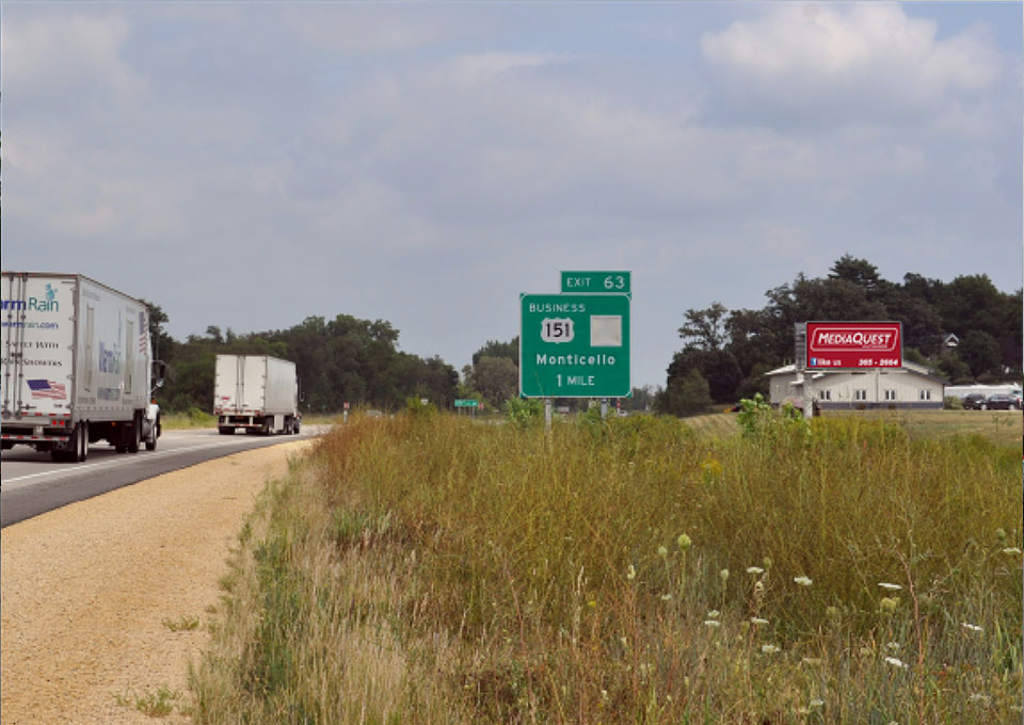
x,y
910,367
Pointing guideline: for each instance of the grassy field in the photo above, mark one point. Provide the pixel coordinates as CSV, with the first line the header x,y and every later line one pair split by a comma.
x,y
424,569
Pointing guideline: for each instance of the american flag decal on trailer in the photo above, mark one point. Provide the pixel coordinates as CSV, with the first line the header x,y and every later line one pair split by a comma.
x,y
47,389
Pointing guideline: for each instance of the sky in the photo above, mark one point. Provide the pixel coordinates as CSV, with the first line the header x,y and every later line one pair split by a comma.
x,y
249,165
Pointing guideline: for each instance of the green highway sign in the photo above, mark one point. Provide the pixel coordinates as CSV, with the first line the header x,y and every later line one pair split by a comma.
x,y
574,346
464,403
596,282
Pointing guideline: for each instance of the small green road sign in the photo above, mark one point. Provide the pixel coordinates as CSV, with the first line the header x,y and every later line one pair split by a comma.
x,y
596,282
465,403
574,346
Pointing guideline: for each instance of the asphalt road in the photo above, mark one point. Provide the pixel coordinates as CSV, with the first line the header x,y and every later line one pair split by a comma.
x,y
31,484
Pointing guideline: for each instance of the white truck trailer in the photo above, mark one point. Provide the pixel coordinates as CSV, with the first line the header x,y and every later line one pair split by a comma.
x,y
77,366
257,394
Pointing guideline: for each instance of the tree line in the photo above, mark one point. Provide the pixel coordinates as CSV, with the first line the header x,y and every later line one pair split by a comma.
x,y
726,353
344,360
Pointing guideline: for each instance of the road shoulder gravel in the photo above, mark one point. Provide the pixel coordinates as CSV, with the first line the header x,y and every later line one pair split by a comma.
x,y
87,591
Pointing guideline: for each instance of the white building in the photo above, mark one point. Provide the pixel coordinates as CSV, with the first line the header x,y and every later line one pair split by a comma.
x,y
912,386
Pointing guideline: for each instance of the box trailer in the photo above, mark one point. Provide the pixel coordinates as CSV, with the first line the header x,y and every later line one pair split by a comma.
x,y
77,366
257,394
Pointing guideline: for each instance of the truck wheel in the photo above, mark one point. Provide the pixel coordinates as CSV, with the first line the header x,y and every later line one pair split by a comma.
x,y
226,431
151,442
135,436
82,432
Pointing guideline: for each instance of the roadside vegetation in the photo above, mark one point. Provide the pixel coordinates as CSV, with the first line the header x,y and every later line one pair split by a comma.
x,y
425,569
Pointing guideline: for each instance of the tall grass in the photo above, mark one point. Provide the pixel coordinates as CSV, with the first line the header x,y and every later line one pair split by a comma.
x,y
425,569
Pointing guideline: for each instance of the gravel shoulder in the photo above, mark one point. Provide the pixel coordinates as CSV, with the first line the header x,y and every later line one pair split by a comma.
x,y
85,591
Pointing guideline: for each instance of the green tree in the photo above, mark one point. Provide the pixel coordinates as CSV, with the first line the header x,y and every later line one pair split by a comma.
x,y
495,378
494,348
980,352
857,271
705,329
684,395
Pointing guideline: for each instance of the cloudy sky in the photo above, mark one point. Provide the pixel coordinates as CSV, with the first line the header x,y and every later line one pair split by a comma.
x,y
248,165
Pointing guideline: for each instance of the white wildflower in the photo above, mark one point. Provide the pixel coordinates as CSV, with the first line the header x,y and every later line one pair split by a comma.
x,y
631,573
972,627
979,698
897,663
769,649
755,570
758,620
1012,550
892,646
714,614
803,581
890,587
666,597
712,623
816,703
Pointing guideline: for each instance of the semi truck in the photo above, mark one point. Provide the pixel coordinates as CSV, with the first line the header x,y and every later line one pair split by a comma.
x,y
77,368
257,394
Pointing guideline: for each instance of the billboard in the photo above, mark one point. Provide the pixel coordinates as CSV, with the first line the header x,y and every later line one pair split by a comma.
x,y
854,345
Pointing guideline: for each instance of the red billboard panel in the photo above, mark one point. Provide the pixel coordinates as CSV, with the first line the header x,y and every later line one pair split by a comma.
x,y
854,345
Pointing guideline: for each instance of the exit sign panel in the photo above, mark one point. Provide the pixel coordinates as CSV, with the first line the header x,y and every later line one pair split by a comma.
x,y
596,282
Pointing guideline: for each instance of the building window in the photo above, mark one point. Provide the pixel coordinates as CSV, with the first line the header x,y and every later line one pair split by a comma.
x,y
824,395
860,394
890,394
924,395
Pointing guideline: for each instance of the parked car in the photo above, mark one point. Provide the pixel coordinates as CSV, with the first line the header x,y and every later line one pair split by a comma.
x,y
1000,401
974,401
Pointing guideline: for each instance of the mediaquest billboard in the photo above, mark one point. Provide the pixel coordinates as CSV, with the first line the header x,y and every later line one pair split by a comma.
x,y
854,345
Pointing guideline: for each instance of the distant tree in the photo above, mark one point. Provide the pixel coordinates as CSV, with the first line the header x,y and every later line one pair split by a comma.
x,y
755,382
684,395
705,329
718,369
955,370
496,378
980,352
857,271
494,348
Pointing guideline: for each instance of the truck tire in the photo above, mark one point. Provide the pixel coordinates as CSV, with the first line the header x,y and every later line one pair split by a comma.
x,y
135,436
226,430
151,441
82,447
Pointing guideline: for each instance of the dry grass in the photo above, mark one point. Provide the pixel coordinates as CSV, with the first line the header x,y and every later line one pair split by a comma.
x,y
425,569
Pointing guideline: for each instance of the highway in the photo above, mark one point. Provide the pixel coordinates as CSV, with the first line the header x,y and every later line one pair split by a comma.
x,y
31,484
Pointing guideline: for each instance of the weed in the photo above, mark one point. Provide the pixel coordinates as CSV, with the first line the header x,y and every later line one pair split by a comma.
x,y
185,623
154,704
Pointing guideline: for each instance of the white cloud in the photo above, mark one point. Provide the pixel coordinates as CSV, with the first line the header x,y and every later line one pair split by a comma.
x,y
479,68
842,62
58,53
